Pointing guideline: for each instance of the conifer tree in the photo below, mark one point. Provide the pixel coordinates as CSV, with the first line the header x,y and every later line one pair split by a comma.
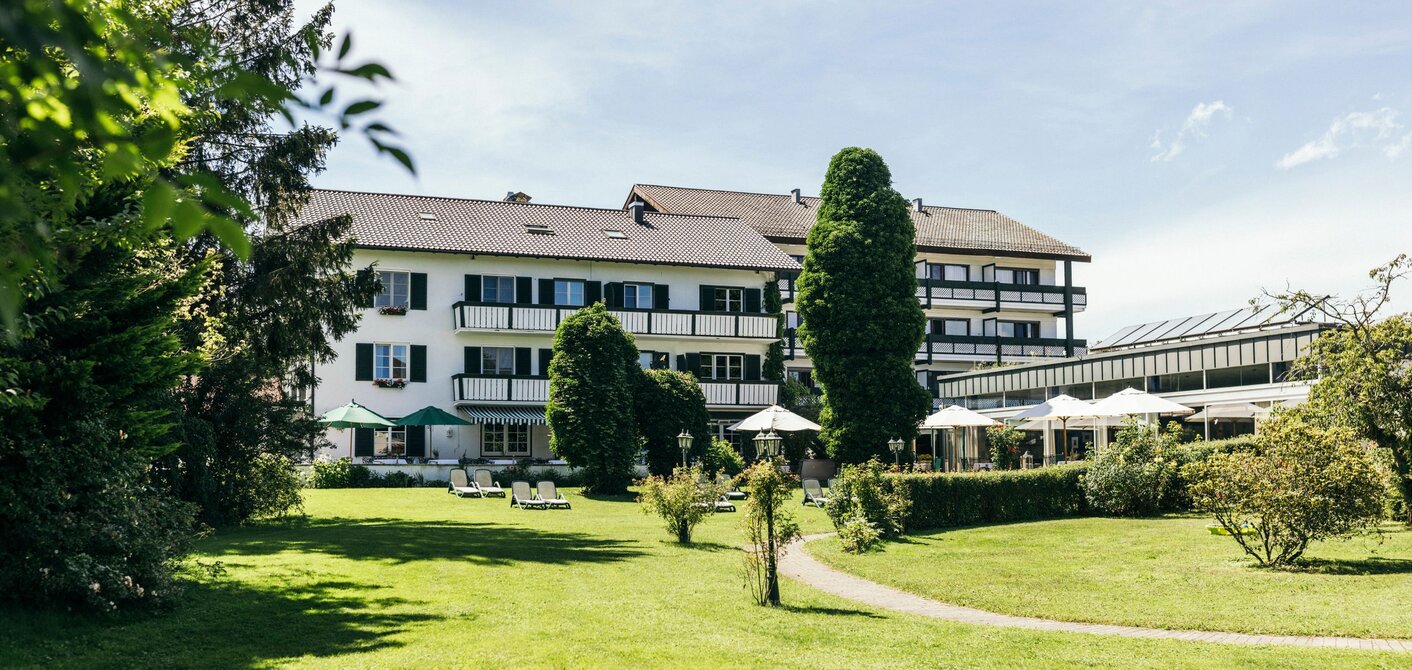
x,y
857,300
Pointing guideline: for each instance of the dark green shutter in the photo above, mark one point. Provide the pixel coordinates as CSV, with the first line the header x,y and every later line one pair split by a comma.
x,y
693,364
472,288
419,363
419,290
752,368
524,286
522,360
545,355
546,291
417,441
363,370
362,276
708,298
614,298
592,292
752,300
659,296
363,442
472,363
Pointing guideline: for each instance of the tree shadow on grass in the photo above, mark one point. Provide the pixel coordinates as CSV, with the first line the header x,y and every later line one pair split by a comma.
x,y
831,611
403,541
1362,566
215,625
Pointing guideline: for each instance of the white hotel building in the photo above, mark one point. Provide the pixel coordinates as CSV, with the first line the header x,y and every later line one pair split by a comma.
x,y
473,290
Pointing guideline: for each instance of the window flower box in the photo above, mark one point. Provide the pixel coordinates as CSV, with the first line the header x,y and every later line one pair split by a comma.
x,y
393,310
389,383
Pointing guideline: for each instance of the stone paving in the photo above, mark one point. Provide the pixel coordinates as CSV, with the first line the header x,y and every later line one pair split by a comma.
x,y
799,565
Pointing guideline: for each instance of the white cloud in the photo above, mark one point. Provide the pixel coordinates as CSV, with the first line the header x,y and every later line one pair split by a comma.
x,y
1355,129
1195,126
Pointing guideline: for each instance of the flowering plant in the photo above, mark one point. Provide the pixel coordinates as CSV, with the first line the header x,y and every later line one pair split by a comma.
x,y
394,310
390,383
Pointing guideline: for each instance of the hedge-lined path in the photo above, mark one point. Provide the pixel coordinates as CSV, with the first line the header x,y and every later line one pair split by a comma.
x,y
799,565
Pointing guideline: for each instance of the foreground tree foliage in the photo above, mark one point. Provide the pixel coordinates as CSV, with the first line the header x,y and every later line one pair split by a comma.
x,y
154,301
769,527
858,303
590,411
1364,368
666,403
683,500
1308,482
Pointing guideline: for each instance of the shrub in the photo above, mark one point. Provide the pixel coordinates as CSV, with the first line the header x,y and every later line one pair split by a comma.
x,y
1131,476
681,500
857,534
1004,446
768,527
949,499
335,474
1177,496
722,457
592,378
668,402
1307,482
862,491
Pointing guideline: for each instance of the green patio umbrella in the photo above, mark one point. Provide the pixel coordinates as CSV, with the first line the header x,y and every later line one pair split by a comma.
x,y
431,416
353,415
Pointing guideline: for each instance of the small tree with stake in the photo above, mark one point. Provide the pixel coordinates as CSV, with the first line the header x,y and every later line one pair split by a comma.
x,y
768,524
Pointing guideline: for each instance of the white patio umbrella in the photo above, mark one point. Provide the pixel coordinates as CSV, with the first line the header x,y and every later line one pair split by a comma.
x,y
1238,410
1132,401
956,416
1063,408
774,418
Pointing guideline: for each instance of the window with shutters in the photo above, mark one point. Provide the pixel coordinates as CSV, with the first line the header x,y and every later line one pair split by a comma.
x,y
568,292
948,271
728,299
505,438
722,367
1017,276
644,359
389,360
497,289
396,288
637,296
497,361
1018,329
389,442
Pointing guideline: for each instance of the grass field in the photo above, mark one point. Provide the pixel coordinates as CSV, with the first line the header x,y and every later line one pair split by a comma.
x,y
1165,573
414,578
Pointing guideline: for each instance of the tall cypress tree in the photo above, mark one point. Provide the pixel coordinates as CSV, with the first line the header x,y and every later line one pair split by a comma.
x,y
862,324
592,378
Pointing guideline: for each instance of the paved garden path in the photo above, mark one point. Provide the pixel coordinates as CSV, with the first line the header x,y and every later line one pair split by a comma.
x,y
805,568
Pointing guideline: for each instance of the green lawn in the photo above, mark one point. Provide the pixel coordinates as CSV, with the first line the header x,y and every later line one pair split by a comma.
x,y
414,578
1166,573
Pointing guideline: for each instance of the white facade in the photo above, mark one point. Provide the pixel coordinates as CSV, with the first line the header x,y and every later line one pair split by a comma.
x,y
449,325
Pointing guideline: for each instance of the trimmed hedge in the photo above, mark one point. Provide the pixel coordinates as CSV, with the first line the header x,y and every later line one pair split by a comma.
x,y
945,500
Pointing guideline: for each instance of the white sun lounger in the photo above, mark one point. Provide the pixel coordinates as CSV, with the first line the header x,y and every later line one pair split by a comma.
x,y
461,486
522,497
549,495
487,486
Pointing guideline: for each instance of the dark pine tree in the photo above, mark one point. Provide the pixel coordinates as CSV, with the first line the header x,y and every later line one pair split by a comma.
x,y
861,323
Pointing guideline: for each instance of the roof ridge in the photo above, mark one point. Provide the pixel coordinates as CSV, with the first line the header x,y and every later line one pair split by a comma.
x,y
811,197
521,204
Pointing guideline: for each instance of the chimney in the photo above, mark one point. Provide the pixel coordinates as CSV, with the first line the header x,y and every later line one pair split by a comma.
x,y
636,208
517,196
797,199
916,204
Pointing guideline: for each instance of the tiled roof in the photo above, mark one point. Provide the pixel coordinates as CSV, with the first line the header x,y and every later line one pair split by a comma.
x,y
495,227
780,218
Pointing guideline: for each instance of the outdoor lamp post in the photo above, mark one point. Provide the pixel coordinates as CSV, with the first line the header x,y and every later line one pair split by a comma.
x,y
684,440
767,445
895,444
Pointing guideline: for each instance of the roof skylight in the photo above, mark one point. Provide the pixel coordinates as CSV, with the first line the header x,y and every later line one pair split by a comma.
x,y
616,234
426,216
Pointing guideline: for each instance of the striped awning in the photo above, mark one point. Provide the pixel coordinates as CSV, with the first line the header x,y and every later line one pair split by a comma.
x,y
533,416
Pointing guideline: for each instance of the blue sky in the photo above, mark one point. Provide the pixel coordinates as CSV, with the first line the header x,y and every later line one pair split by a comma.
x,y
1199,151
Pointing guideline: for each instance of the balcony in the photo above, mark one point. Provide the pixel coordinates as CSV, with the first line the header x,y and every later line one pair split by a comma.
x,y
988,296
493,317
991,347
995,296
526,389
970,347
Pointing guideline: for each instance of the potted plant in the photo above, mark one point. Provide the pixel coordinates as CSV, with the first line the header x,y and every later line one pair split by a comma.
x,y
393,310
389,383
